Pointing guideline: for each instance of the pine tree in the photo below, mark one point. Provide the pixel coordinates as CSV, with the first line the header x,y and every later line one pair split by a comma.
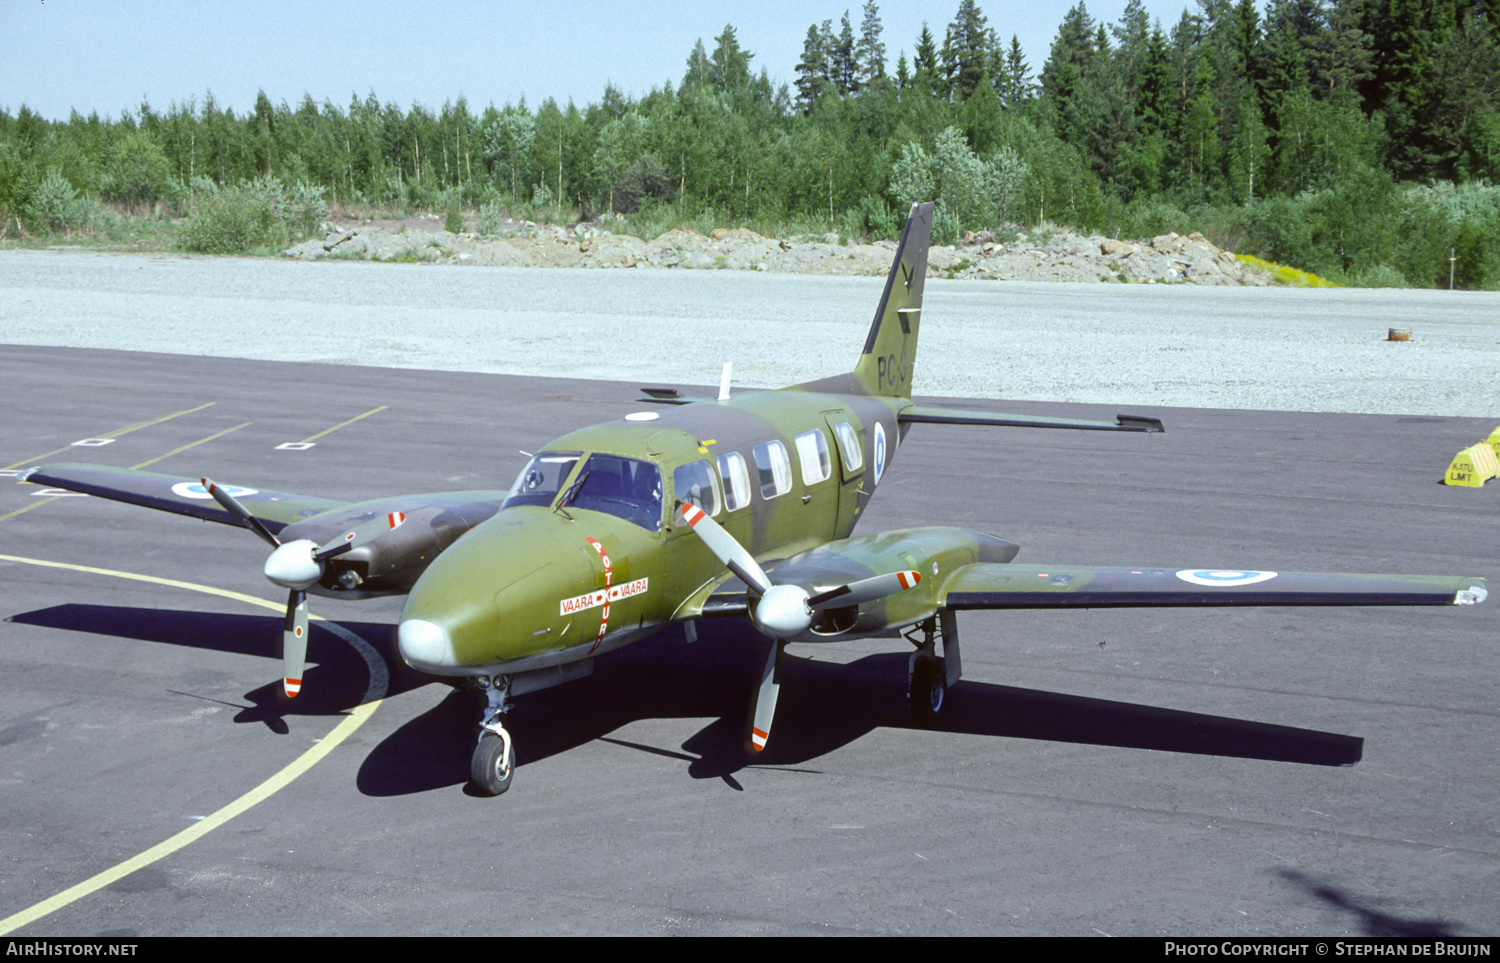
x,y
841,59
812,70
1017,75
966,50
925,70
869,52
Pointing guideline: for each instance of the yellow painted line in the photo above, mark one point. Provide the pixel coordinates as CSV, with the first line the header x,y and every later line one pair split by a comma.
x,y
115,434
342,424
191,444
356,718
174,451
26,508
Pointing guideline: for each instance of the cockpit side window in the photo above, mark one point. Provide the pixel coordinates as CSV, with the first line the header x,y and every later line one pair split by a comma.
x,y
694,482
540,480
622,487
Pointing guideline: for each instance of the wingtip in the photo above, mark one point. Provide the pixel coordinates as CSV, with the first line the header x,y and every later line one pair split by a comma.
x,y
1472,595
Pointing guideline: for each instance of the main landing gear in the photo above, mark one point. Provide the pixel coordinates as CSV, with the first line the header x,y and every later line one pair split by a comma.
x,y
928,675
493,764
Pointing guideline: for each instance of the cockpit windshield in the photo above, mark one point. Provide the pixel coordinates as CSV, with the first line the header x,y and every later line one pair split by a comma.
x,y
540,480
622,487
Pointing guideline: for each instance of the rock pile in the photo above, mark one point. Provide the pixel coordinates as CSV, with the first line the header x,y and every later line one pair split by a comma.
x,y
1046,255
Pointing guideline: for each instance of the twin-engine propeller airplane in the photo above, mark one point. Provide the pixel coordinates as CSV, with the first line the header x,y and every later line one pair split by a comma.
x,y
717,507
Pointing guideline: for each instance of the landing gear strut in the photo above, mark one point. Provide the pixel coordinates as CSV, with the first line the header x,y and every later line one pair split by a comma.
x,y
928,675
493,764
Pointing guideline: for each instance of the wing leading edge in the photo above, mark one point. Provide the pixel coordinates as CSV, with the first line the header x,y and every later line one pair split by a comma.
x,y
181,496
1006,586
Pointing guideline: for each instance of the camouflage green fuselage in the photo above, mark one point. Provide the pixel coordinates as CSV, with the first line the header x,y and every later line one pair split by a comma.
x,y
540,585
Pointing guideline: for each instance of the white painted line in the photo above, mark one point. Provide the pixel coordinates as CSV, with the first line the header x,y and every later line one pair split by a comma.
x,y
93,442
356,717
295,445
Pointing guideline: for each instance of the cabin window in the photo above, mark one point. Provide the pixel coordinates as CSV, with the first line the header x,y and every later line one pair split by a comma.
x,y
854,458
774,467
736,480
622,487
694,482
812,452
540,480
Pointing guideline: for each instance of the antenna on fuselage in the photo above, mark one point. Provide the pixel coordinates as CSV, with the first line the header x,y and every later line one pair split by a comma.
x,y
724,381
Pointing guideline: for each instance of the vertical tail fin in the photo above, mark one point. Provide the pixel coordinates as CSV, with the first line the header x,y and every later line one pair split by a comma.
x,y
885,367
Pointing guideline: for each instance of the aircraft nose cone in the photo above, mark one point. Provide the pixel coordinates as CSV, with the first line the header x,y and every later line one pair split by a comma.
x,y
292,565
425,645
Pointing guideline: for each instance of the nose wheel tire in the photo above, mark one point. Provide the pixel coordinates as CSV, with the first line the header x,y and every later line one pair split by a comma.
x,y
493,764
929,687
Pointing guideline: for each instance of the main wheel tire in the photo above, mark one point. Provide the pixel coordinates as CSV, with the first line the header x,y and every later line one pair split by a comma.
x,y
493,765
929,687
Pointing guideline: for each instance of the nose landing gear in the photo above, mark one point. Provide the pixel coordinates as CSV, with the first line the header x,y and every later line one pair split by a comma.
x,y
493,765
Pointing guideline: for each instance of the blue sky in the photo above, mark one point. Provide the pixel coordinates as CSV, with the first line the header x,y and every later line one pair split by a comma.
x,y
98,55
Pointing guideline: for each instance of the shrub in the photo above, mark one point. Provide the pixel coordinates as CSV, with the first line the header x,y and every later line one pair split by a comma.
x,y
56,207
255,214
491,219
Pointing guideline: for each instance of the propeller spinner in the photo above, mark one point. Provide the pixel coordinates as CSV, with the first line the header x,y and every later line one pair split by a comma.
x,y
785,610
298,565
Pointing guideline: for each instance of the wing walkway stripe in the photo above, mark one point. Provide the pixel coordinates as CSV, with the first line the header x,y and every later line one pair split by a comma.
x,y
356,718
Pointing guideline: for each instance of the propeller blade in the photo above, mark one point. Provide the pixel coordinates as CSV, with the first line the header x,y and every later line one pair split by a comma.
x,y
865,590
359,535
232,506
765,700
727,548
294,642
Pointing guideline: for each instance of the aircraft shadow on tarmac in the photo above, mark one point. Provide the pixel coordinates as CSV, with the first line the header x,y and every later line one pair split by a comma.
x,y
1372,921
823,706
334,685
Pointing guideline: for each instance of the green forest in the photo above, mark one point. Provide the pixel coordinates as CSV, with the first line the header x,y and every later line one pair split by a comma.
x,y
1356,139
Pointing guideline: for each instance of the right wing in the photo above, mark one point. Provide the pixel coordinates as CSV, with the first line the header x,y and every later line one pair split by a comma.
x,y
1006,586
182,496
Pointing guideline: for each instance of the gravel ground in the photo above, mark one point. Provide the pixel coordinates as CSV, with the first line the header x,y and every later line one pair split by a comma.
x,y
1135,345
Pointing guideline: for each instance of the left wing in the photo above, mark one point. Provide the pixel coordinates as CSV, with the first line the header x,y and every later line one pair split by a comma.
x,y
1006,586
181,496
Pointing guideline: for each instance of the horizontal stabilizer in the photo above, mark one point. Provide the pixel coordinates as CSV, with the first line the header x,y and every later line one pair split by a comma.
x,y
918,414
1006,586
181,496
671,396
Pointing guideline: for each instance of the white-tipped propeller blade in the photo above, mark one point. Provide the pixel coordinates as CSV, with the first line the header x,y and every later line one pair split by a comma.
x,y
727,548
359,535
765,699
294,643
297,565
865,590
783,611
